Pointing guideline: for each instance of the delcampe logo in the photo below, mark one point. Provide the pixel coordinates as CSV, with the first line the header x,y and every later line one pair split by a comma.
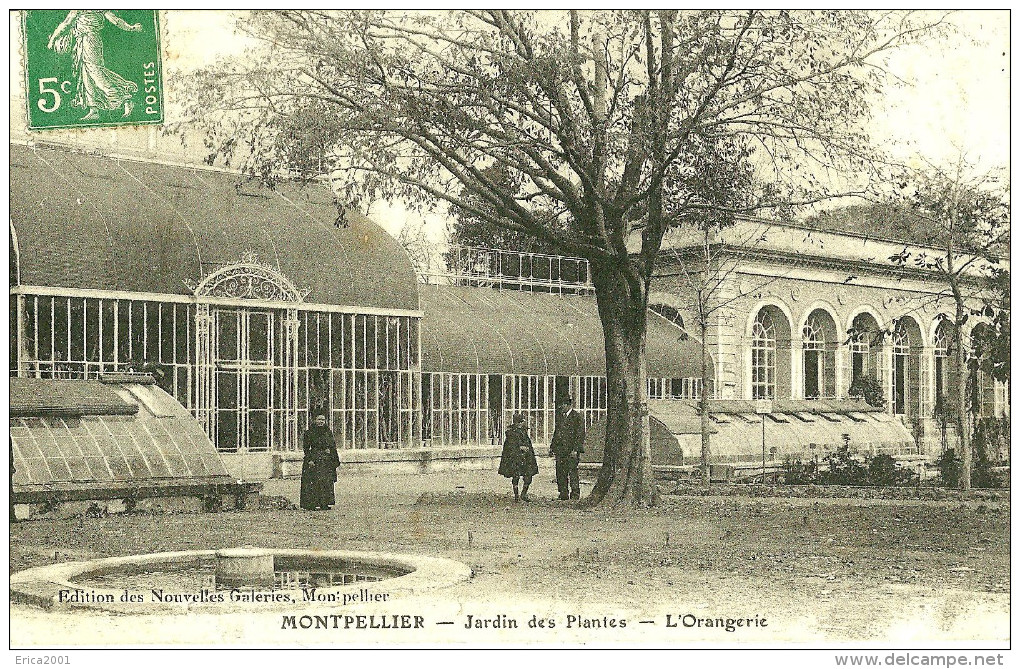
x,y
92,68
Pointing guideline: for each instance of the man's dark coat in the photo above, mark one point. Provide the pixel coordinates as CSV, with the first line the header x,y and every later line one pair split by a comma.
x,y
569,435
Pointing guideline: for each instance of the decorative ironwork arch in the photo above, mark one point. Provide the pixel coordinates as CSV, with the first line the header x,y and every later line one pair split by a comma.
x,y
248,279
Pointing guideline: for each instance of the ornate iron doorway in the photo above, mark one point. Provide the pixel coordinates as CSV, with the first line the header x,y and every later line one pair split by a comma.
x,y
243,384
246,382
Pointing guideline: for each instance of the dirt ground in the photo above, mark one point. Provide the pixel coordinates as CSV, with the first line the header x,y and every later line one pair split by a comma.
x,y
818,572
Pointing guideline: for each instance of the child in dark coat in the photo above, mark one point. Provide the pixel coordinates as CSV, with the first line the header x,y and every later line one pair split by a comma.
x,y
518,458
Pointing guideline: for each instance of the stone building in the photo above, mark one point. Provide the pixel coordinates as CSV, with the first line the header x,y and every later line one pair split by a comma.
x,y
800,314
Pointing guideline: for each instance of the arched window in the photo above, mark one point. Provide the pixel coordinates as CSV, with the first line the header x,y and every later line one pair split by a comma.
x,y
943,346
864,346
814,357
900,364
763,357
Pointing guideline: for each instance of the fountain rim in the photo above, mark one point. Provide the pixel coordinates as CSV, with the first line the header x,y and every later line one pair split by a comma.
x,y
40,586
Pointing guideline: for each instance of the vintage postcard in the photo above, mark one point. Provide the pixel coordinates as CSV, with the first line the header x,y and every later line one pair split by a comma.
x,y
514,329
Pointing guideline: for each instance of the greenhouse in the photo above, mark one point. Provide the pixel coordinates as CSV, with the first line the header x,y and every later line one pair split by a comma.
x,y
252,306
255,306
487,354
120,438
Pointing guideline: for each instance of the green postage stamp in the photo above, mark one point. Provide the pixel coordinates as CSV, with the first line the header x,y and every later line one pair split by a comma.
x,y
88,68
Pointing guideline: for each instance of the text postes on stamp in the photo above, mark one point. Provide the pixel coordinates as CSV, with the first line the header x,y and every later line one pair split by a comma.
x,y
86,68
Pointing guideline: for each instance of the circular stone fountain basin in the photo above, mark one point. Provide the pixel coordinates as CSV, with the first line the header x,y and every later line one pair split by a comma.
x,y
232,580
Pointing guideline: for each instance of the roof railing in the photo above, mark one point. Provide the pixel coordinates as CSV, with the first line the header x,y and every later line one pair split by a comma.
x,y
512,270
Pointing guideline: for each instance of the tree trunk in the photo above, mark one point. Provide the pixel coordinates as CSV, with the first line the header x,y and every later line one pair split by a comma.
x,y
962,413
706,422
625,478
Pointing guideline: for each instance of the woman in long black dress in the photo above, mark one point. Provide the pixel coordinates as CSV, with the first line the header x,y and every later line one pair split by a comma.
x,y
518,458
318,471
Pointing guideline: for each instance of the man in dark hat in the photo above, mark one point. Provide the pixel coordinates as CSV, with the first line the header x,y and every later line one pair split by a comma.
x,y
318,471
567,446
518,458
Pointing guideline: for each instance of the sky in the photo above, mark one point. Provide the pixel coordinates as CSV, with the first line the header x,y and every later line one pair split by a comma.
x,y
954,94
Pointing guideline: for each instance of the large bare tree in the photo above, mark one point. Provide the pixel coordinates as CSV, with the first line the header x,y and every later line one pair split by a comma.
x,y
597,118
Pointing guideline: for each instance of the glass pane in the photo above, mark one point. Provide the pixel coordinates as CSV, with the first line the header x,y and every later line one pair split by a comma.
x,y
302,339
371,345
226,431
226,335
182,339
258,337
360,401
388,407
359,342
153,336
348,342
226,389
322,322
59,332
336,339
181,386
109,324
137,330
258,391
167,332
77,329
258,430
123,331
44,340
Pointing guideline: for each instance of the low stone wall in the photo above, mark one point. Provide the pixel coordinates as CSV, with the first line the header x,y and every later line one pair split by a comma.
x,y
42,502
853,492
398,460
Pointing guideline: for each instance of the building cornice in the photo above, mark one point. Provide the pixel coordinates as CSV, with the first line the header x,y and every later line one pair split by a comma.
x,y
850,266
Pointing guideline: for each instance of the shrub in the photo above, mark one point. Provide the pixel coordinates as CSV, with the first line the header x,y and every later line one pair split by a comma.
x,y
883,470
949,466
866,387
989,435
796,472
844,469
880,470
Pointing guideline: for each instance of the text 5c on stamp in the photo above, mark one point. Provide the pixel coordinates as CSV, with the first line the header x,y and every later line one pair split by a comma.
x,y
87,68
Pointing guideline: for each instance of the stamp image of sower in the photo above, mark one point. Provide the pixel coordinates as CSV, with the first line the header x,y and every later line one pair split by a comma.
x,y
92,68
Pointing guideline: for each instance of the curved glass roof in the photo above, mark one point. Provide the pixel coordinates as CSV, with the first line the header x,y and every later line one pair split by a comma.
x,y
666,447
473,330
153,228
737,437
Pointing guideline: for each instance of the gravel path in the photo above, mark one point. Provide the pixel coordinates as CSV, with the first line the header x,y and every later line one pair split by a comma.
x,y
818,571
